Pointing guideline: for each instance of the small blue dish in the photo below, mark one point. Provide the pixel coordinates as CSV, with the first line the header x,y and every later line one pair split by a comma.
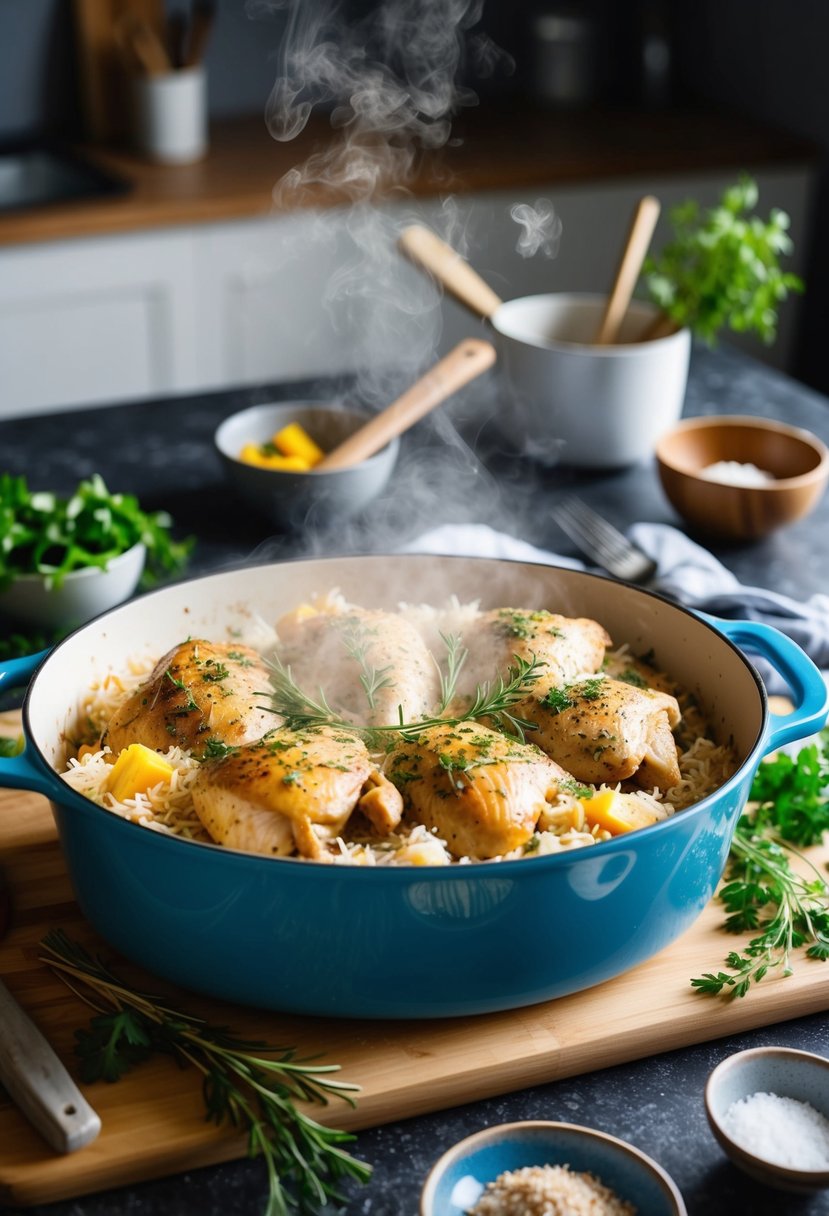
x,y
457,1181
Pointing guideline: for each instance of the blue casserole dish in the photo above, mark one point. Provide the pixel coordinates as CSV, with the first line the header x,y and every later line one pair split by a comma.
x,y
403,942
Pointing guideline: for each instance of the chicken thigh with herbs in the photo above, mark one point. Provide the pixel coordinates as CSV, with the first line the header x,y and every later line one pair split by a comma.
x,y
565,647
293,791
371,665
481,791
199,693
604,731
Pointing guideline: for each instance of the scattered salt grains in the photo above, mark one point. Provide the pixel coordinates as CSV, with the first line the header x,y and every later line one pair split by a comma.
x,y
549,1190
733,473
782,1131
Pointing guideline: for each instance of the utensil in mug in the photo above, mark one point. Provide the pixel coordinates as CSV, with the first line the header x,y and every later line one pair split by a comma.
x,y
468,359
630,264
570,400
33,1074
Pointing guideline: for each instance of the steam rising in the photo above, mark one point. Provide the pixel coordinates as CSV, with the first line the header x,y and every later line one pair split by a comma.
x,y
389,84
540,228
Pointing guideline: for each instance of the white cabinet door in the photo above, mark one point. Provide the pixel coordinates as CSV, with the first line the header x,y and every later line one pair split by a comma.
x,y
265,308
303,294
93,321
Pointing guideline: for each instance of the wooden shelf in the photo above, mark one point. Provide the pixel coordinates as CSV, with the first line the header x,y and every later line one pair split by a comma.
x,y
491,148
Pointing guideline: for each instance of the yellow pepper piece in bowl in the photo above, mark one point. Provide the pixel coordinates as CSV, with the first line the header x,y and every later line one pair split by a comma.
x,y
253,454
292,440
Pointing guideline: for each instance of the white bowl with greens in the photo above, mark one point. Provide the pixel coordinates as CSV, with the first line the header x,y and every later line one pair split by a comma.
x,y
65,560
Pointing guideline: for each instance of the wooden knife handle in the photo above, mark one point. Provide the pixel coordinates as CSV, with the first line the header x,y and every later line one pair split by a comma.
x,y
39,1084
455,274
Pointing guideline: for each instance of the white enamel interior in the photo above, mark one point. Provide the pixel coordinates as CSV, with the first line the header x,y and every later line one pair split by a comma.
x,y
233,606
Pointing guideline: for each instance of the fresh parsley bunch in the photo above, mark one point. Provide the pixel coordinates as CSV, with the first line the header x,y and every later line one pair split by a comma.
x,y
41,533
722,267
763,892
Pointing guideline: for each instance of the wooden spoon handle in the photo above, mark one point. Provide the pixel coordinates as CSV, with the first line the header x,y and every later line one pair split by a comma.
x,y
432,254
466,361
636,246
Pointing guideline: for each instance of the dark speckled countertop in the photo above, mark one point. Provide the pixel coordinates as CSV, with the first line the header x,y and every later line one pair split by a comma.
x,y
163,452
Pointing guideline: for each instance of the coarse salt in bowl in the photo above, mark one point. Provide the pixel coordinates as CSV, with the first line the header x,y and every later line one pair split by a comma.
x,y
769,1110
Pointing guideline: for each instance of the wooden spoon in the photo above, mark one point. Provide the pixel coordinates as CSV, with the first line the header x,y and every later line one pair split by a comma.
x,y
466,361
455,274
633,255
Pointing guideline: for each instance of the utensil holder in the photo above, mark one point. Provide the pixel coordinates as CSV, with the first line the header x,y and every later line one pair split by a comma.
x,y
170,115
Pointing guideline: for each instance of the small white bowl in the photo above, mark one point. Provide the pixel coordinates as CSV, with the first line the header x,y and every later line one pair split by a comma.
x,y
459,1177
290,499
778,1070
82,595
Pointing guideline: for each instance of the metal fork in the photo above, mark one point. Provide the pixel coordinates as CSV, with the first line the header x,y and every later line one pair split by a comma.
x,y
602,542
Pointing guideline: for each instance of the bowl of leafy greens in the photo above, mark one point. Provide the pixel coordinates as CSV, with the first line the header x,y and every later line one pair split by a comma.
x,y
64,560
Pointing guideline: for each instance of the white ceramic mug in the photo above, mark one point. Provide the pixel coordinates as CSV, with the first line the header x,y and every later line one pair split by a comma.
x,y
568,401
170,115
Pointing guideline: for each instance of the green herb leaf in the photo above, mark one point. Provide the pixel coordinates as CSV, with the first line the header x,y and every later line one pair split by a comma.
x,y
247,1084
762,892
41,533
722,267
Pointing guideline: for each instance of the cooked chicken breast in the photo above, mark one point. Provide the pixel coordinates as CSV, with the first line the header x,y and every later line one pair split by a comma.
x,y
292,791
480,791
372,666
604,730
199,692
566,646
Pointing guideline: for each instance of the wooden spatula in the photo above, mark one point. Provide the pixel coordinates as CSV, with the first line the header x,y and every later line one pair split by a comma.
x,y
466,361
633,255
428,251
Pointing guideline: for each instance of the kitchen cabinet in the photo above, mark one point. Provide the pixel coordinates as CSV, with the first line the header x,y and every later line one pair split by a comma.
x,y
290,295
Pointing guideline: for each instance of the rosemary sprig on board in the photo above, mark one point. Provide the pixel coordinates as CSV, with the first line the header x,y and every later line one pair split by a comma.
x,y
247,1084
762,890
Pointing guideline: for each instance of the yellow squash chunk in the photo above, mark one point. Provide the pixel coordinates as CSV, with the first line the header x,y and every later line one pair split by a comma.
x,y
251,454
137,770
292,440
616,813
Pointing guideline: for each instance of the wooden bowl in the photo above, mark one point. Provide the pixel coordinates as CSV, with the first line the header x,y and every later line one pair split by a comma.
x,y
797,460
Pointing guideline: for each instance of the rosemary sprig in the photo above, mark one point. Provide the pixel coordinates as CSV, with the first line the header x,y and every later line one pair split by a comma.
x,y
245,1083
491,700
372,679
456,655
762,890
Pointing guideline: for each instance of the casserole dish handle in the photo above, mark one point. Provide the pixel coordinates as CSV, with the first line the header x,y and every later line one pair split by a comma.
x,y
807,686
18,772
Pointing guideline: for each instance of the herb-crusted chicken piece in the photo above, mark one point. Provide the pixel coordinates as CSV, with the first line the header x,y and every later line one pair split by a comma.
x,y
199,694
605,731
293,791
566,647
481,791
371,665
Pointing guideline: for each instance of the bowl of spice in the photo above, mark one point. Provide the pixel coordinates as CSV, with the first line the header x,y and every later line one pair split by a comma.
x,y
541,1168
741,478
769,1111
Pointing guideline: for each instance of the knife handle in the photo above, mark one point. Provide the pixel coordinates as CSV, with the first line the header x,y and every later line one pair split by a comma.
x,y
39,1084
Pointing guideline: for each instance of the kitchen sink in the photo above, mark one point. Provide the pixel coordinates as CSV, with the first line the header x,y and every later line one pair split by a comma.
x,y
35,176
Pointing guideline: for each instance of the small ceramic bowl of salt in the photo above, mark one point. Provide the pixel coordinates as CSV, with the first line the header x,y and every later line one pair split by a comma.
x,y
739,478
769,1110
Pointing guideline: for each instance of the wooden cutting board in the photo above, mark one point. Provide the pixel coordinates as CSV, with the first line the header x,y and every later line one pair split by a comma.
x,y
153,1119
